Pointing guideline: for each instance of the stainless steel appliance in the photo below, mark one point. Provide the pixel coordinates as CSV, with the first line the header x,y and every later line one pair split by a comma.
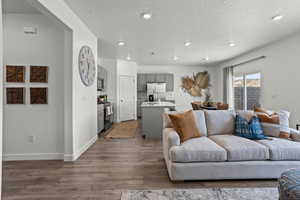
x,y
108,115
105,114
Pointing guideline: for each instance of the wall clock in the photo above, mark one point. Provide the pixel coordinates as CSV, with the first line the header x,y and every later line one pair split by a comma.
x,y
87,68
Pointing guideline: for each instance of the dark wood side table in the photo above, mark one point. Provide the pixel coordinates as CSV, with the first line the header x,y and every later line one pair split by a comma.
x,y
298,126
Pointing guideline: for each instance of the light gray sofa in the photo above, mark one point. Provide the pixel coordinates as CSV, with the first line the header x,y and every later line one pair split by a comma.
x,y
221,155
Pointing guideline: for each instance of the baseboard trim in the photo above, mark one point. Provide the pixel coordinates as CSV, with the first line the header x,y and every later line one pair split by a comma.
x,y
33,156
68,158
84,148
51,156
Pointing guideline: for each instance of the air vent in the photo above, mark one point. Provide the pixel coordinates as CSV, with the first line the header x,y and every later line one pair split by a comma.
x,y
30,30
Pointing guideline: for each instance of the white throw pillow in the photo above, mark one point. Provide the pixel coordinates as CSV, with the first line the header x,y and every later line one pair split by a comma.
x,y
284,117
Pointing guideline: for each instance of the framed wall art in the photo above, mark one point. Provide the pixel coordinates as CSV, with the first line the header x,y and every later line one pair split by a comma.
x,y
38,74
38,95
15,95
15,74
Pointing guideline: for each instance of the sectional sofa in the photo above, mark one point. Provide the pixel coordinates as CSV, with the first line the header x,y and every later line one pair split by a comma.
x,y
222,155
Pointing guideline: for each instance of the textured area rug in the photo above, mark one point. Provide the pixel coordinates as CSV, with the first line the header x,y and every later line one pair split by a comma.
x,y
204,194
123,130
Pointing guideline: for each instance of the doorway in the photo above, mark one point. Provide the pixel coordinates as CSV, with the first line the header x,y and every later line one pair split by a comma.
x,y
127,98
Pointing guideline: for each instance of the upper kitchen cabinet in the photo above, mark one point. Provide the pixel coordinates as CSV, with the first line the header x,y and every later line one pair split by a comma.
x,y
151,78
160,78
170,82
141,82
143,79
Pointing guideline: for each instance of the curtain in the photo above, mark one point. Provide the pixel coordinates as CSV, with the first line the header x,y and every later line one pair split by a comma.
x,y
228,85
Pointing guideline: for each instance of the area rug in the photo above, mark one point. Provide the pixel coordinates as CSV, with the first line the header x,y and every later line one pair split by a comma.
x,y
204,194
123,130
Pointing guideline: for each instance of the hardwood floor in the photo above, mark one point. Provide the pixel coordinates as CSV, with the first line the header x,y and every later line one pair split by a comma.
x,y
102,173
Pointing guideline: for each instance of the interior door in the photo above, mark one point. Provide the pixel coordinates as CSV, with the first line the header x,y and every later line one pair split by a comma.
x,y
127,98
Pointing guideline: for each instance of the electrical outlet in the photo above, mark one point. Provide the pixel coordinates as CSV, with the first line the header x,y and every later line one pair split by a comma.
x,y
31,139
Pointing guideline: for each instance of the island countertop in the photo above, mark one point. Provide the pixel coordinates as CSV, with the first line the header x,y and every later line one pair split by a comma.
x,y
157,104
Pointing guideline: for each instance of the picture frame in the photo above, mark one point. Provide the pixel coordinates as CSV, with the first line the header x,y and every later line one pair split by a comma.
x,y
15,95
15,74
38,95
39,74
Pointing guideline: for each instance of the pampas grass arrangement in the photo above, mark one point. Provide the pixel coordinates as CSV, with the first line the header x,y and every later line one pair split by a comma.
x,y
196,84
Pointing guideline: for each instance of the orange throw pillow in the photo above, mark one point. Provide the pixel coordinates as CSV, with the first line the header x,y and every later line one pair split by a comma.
x,y
185,125
262,110
271,119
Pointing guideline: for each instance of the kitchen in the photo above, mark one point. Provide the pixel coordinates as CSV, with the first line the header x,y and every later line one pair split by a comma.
x,y
105,114
154,92
154,96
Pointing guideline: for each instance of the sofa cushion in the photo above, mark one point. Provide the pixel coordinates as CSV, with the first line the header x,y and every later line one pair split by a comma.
x,y
239,148
282,149
219,122
198,150
199,118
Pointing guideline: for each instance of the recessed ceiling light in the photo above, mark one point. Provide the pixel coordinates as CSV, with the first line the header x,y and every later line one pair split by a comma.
x,y
175,58
128,57
146,15
121,43
187,44
231,44
277,17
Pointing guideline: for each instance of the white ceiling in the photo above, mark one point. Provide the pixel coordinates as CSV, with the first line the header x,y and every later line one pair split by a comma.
x,y
18,6
208,24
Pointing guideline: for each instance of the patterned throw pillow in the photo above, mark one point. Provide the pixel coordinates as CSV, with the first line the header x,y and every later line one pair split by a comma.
x,y
251,130
275,124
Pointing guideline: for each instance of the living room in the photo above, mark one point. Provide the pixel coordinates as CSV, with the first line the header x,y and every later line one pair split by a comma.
x,y
150,99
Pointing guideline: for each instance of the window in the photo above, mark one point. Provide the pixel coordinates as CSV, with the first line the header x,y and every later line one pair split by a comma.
x,y
247,91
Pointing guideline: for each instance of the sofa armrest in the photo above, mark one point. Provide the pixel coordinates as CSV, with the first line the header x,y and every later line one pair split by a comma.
x,y
295,135
171,138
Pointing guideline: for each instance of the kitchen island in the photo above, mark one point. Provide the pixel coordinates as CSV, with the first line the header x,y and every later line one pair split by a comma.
x,y
152,121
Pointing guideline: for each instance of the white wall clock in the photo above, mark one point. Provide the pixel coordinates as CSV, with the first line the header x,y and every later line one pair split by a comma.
x,y
87,67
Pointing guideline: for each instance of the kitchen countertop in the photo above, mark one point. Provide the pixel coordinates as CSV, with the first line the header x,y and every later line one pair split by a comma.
x,y
158,104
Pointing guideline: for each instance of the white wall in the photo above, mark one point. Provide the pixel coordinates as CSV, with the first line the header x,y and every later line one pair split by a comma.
x,y
44,122
183,100
280,75
1,95
83,125
126,68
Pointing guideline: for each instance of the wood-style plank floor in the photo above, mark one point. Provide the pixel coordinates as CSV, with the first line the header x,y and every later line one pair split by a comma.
x,y
102,173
